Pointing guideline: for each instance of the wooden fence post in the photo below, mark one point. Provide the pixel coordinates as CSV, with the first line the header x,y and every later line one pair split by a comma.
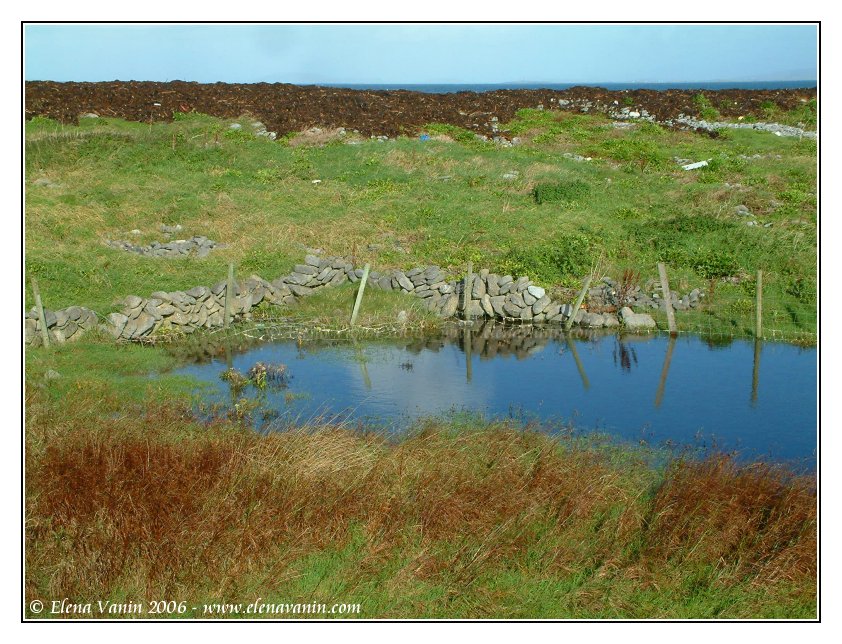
x,y
466,296
569,322
359,299
45,334
229,295
758,309
665,290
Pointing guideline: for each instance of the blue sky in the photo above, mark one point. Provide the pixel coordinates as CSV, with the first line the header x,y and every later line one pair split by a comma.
x,y
421,53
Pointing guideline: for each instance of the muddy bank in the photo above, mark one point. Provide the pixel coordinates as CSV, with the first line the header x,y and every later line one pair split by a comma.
x,y
290,108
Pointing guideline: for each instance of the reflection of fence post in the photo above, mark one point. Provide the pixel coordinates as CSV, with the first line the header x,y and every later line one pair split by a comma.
x,y
468,341
39,308
359,299
572,346
659,396
569,322
229,296
755,372
758,322
665,290
466,299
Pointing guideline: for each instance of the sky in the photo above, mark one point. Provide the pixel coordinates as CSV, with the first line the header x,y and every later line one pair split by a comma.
x,y
408,54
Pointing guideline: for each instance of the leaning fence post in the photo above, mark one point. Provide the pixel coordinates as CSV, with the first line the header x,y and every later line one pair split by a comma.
x,y
569,322
45,334
359,299
758,322
229,295
466,299
665,290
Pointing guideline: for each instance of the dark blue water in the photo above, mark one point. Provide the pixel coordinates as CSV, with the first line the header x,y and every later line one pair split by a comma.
x,y
449,88
762,405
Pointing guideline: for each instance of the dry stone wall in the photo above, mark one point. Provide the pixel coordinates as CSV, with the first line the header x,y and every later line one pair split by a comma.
x,y
501,297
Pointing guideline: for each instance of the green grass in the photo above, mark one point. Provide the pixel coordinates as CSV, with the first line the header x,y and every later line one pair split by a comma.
x,y
128,497
407,203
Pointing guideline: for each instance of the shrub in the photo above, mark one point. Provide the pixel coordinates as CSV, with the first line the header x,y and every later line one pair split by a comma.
x,y
713,264
565,257
561,191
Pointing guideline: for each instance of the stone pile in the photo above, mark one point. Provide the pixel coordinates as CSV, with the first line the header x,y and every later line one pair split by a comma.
x,y
500,297
650,296
65,324
200,246
775,128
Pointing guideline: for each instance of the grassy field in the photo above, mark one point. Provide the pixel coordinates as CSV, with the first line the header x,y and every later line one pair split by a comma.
x,y
411,202
128,499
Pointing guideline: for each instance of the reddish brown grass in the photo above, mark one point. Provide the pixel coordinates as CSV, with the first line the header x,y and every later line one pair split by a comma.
x,y
150,504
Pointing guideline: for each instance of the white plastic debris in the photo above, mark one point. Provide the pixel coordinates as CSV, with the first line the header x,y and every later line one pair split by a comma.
x,y
316,181
695,166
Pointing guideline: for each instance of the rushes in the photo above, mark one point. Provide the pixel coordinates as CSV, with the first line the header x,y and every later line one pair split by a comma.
x,y
126,507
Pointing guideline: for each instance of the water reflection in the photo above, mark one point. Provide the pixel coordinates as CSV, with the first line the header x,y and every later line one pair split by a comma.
x,y
624,354
597,380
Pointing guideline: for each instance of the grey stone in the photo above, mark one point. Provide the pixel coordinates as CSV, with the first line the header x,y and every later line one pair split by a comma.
x,y
405,283
477,287
516,299
528,298
30,330
497,304
487,307
610,321
511,309
424,291
592,320
451,302
632,320
311,260
116,323
385,283
550,311
521,284
536,291
70,329
51,374
325,274
541,304
133,301
296,279
306,269
474,309
493,285
300,291
199,292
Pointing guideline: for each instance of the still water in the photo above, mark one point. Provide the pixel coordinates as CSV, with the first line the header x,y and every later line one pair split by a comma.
x,y
759,400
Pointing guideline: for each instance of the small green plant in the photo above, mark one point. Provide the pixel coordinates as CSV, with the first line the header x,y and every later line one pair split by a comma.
x,y
628,101
706,109
456,133
561,191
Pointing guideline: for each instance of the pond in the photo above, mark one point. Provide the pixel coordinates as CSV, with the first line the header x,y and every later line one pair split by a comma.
x,y
757,399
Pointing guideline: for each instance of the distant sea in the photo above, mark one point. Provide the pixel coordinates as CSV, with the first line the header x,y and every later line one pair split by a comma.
x,y
449,88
